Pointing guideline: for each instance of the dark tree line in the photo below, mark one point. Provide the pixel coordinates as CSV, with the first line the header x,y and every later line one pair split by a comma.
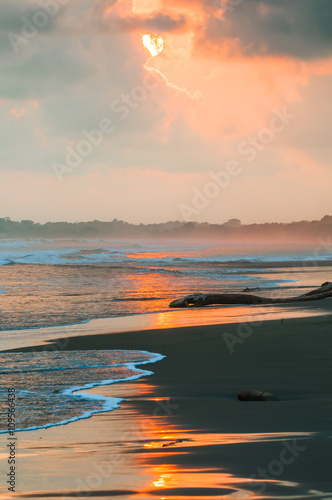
x,y
230,231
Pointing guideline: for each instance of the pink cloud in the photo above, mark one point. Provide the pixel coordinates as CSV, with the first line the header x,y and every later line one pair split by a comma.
x,y
18,113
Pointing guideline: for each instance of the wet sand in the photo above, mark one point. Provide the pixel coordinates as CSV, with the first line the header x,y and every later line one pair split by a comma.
x,y
181,433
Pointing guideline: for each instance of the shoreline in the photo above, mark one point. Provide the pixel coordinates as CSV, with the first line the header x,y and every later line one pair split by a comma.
x,y
174,318
181,433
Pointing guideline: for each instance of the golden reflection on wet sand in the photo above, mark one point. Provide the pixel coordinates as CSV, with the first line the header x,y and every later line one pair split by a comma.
x,y
144,452
173,481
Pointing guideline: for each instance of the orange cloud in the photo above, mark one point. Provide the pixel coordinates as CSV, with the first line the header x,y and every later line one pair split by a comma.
x,y
238,93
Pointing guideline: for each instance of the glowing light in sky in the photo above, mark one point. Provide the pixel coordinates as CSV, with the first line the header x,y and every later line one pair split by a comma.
x,y
153,43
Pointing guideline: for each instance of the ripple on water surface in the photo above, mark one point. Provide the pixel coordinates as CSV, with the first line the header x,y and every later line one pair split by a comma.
x,y
47,383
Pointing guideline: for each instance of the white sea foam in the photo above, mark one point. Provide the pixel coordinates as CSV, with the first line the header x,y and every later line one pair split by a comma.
x,y
34,253
73,364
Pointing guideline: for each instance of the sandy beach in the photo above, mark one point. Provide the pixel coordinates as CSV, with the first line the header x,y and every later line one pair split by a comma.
x,y
166,250
181,433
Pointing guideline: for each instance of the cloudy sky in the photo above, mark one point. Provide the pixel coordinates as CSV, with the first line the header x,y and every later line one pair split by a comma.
x,y
230,119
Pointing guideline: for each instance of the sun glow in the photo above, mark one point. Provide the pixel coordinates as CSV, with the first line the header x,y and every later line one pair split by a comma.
x,y
153,43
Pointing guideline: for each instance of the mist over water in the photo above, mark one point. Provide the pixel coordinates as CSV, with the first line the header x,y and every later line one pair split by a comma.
x,y
47,283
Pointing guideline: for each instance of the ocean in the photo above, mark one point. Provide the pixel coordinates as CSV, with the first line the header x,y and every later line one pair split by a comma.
x,y
46,283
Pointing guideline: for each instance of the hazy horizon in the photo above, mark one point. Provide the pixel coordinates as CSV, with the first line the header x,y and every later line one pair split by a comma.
x,y
230,232
169,221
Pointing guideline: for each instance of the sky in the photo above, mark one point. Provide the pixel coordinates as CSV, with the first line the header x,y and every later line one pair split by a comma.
x,y
231,119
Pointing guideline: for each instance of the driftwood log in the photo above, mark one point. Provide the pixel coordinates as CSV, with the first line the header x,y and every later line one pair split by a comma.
x,y
201,300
